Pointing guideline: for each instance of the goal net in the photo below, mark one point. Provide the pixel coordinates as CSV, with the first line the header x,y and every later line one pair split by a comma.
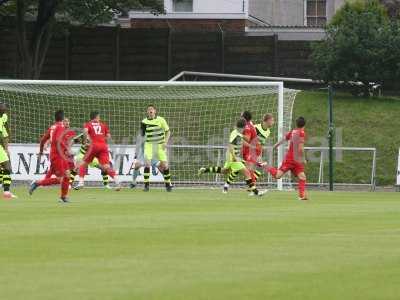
x,y
200,115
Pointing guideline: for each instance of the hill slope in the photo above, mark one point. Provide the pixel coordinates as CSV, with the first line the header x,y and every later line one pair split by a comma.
x,y
371,122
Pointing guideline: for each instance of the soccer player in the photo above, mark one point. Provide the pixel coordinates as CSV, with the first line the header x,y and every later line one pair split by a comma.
x,y
60,156
263,132
97,133
295,157
45,140
250,145
156,134
4,154
234,162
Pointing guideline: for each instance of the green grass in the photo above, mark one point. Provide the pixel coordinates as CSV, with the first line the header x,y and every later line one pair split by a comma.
x,y
362,122
199,244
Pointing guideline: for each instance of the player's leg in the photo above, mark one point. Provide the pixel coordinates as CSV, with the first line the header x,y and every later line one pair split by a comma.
x,y
213,169
74,171
47,180
230,179
136,173
240,167
164,167
65,184
72,176
82,167
302,186
6,167
298,171
1,175
103,157
278,173
106,180
221,170
148,155
155,167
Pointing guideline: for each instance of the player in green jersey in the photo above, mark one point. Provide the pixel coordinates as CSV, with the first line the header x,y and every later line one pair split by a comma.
x,y
155,132
4,154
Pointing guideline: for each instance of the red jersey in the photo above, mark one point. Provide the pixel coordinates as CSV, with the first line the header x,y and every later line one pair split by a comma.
x,y
250,133
97,131
59,141
296,137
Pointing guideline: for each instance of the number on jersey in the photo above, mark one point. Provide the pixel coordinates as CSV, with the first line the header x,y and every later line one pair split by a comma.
x,y
97,129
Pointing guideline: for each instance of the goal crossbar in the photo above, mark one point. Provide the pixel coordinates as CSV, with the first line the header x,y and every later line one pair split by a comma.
x,y
139,83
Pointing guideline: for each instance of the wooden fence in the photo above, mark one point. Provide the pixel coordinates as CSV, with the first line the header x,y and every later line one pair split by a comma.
x,y
108,53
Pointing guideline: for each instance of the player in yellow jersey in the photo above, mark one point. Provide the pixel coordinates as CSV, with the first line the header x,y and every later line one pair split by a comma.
x,y
4,154
155,132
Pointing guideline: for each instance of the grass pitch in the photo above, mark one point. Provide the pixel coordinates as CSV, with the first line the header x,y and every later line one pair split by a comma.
x,y
199,244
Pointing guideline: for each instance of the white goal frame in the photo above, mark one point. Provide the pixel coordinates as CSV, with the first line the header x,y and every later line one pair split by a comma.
x,y
278,84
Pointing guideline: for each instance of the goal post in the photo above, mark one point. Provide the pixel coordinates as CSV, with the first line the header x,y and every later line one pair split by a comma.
x,y
200,114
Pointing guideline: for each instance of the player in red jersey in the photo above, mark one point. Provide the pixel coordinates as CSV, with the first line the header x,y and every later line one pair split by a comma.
x,y
97,133
249,150
45,141
60,155
295,157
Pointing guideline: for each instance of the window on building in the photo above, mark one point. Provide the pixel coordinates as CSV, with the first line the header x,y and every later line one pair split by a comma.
x,y
182,5
316,13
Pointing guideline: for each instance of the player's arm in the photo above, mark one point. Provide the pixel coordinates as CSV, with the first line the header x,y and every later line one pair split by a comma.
x,y
4,142
43,141
165,126
107,133
282,141
232,152
167,136
142,129
7,126
85,135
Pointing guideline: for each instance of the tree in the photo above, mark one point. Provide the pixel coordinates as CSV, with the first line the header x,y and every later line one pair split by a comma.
x,y
393,7
360,45
49,14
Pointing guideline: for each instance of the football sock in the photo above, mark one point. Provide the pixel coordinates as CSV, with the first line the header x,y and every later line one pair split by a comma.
x,y
302,188
146,176
6,180
252,186
105,178
1,176
167,177
213,170
72,176
232,176
64,186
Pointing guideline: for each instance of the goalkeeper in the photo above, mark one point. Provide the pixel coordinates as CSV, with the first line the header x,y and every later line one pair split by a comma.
x,y
234,162
156,134
94,164
139,162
